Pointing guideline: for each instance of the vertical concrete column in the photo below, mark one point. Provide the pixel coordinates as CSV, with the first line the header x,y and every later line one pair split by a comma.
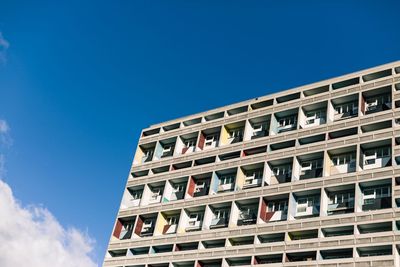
x,y
267,174
330,114
323,210
296,169
234,214
301,118
358,198
183,222
248,130
326,164
145,196
208,215
292,207
167,191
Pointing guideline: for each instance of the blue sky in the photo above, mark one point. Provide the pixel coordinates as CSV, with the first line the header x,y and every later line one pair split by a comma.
x,y
81,79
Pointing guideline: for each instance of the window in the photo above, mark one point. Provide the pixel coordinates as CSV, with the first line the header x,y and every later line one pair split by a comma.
x,y
343,159
178,188
190,143
211,139
314,115
194,218
287,121
277,206
172,220
371,194
340,198
349,108
282,170
227,179
200,186
310,165
136,194
221,214
236,133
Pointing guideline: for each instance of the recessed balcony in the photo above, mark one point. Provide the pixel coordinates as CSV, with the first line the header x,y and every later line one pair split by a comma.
x,y
170,222
345,107
343,160
376,195
376,155
156,192
247,210
313,115
284,121
259,127
199,185
377,100
307,204
209,138
340,199
311,166
226,180
232,133
280,171
274,208
252,175
220,215
145,225
193,217
124,228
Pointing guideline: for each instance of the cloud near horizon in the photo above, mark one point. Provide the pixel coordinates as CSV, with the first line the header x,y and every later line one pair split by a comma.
x,y
31,235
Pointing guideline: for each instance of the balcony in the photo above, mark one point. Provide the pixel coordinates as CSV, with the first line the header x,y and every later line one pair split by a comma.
x,y
259,133
313,173
201,190
274,208
193,225
343,168
377,100
247,215
377,204
287,127
219,223
346,114
251,181
373,161
155,197
343,207
315,114
194,219
306,211
284,177
147,228
167,151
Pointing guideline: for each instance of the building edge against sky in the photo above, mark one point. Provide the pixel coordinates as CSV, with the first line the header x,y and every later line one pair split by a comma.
x,y
303,177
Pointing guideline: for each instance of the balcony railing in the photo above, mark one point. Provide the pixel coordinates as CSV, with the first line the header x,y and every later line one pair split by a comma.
x,y
340,207
376,108
199,192
314,173
247,219
284,178
194,226
249,183
378,203
349,114
343,168
258,134
286,128
225,187
219,223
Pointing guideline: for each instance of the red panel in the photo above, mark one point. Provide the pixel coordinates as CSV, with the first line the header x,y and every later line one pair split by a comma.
x,y
139,225
362,105
184,150
268,216
255,261
202,140
192,185
118,228
263,210
165,229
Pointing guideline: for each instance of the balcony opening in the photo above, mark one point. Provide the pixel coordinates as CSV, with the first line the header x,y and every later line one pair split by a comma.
x,y
220,215
315,91
311,165
283,145
138,174
375,227
237,110
145,153
165,148
345,83
251,176
377,75
217,243
272,238
117,253
376,126
177,188
241,241
183,264
232,133
284,121
397,70
187,143
247,211
307,203
279,171
225,180
338,231
124,228
345,107
259,127
182,165
376,100
274,208
313,115
303,234
187,246
209,263
199,185
376,154
301,256
262,104
169,221
192,122
160,169
161,249
193,218
287,98
343,160
375,251
132,197
158,265
156,191
204,161
336,253
228,156
312,139
145,225
214,116
239,261
209,138
265,259
172,127
151,132
140,251
343,133
376,195
254,151
340,199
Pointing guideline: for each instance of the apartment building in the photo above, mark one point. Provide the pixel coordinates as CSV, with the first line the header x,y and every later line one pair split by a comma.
x,y
304,177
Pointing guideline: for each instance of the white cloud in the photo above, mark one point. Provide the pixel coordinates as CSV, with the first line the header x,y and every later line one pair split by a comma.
x,y
4,45
32,236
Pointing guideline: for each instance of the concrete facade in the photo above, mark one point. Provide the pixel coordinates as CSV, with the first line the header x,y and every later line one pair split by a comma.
x,y
304,177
